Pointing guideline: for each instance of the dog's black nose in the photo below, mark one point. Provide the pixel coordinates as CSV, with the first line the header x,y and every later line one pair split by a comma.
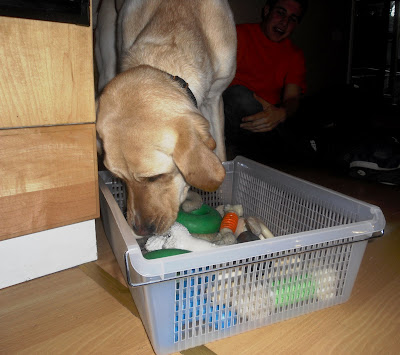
x,y
143,230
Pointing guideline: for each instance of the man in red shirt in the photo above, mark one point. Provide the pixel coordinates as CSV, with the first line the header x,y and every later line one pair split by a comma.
x,y
269,81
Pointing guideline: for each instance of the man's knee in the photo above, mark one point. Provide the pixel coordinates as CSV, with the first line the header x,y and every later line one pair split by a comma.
x,y
240,101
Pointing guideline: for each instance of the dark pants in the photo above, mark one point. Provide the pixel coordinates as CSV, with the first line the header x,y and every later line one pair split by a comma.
x,y
263,147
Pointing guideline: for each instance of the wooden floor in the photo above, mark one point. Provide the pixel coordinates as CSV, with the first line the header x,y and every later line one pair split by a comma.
x,y
89,310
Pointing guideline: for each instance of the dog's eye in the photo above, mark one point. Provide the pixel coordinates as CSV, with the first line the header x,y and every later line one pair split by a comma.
x,y
154,178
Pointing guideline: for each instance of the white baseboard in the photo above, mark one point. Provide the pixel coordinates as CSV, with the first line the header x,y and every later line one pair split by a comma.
x,y
34,255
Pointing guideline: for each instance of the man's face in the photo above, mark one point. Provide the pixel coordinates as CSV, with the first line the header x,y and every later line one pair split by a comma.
x,y
280,21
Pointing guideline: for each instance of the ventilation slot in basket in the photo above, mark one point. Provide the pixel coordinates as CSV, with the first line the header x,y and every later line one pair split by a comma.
x,y
260,292
284,210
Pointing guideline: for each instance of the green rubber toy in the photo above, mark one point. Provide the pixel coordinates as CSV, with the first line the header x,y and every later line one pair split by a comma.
x,y
204,220
162,253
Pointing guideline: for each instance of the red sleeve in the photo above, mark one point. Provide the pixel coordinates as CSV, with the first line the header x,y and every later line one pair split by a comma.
x,y
241,57
297,74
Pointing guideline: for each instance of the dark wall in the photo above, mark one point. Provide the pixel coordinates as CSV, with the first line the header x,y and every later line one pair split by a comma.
x,y
323,35
68,11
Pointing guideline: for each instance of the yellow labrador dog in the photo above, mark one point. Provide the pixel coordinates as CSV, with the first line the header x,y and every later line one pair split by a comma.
x,y
174,59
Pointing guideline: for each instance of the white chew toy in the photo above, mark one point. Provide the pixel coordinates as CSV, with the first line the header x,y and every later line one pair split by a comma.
x,y
178,237
155,243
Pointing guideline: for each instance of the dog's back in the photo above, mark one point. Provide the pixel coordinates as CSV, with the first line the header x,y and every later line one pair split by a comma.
x,y
192,39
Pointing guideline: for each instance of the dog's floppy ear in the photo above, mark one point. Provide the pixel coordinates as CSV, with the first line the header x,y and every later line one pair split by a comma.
x,y
200,167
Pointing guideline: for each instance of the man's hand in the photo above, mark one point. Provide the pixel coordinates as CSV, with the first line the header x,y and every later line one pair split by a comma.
x,y
265,120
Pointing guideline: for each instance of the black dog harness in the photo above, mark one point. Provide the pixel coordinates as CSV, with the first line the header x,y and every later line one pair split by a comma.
x,y
184,85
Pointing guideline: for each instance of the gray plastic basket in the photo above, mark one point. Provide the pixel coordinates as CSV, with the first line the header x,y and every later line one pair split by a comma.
x,y
191,299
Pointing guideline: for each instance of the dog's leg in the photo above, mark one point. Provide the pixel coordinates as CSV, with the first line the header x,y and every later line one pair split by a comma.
x,y
105,47
213,109
221,119
95,9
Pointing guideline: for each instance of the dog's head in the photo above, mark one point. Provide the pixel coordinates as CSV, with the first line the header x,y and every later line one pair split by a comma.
x,y
158,143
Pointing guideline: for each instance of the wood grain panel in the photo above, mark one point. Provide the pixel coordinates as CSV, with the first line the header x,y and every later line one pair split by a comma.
x,y
48,178
46,73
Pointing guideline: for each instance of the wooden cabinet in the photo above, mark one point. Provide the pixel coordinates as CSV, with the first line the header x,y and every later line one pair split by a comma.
x,y
48,163
48,178
46,73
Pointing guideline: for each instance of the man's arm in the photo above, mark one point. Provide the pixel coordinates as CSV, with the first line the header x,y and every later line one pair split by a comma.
x,y
291,99
271,115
